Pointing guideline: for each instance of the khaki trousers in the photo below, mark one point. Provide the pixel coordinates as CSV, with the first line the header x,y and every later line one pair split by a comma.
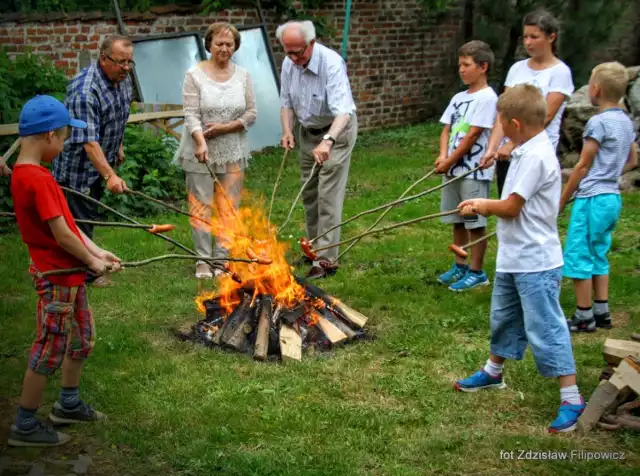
x,y
324,195
205,198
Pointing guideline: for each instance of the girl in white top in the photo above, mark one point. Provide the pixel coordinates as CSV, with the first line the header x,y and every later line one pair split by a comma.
x,y
219,108
542,69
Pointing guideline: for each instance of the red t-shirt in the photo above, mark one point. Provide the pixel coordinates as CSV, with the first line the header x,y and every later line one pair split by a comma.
x,y
37,198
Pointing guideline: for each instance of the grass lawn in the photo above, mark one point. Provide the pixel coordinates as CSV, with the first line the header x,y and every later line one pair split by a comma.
x,y
379,407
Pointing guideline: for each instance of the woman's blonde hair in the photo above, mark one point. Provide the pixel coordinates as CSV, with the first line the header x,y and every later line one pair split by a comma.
x,y
219,27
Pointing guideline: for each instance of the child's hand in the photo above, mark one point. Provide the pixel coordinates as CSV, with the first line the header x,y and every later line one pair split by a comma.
x,y
476,206
99,266
112,259
441,164
504,152
488,159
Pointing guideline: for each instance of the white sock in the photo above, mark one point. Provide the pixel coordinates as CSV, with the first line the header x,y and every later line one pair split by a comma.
x,y
493,369
570,394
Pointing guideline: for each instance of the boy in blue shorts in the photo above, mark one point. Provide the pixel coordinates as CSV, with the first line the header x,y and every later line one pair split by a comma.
x,y
609,151
65,329
525,305
463,142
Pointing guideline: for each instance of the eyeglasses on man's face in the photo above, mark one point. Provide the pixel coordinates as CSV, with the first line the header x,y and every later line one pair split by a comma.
x,y
297,53
121,63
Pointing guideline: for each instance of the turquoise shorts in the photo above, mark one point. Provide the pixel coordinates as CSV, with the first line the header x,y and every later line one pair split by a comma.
x,y
589,237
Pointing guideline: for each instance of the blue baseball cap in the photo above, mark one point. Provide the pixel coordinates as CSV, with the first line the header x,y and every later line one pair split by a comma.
x,y
43,114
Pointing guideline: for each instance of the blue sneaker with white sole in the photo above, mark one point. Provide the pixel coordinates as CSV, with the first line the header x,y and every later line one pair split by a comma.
x,y
454,274
469,281
567,419
478,381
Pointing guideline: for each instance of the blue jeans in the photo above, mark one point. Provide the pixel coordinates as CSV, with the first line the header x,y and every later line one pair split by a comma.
x,y
525,309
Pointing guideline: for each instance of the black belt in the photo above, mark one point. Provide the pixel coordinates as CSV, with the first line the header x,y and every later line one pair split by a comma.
x,y
318,131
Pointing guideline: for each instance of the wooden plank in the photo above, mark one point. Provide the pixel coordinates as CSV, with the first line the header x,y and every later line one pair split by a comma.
x,y
604,395
628,373
334,334
261,347
615,350
290,343
350,314
12,129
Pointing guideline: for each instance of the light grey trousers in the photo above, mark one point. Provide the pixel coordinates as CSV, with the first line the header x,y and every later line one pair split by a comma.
x,y
324,195
206,198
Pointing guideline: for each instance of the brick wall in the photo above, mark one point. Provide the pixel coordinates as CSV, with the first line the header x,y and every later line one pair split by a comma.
x,y
400,66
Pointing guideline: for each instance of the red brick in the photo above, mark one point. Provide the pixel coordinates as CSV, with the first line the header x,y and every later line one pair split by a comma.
x,y
60,30
85,29
74,30
70,54
81,38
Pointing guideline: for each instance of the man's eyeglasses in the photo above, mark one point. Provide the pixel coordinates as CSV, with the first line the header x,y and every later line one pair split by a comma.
x,y
121,63
297,53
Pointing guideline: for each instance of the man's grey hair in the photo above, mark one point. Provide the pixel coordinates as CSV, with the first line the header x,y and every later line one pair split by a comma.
x,y
306,29
107,45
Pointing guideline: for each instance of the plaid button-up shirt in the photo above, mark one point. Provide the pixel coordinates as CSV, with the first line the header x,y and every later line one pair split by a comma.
x,y
93,98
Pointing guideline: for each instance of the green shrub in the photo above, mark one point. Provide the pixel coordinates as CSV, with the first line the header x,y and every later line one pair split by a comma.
x,y
147,168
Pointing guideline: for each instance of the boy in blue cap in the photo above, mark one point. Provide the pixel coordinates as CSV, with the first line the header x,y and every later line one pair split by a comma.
x,y
65,328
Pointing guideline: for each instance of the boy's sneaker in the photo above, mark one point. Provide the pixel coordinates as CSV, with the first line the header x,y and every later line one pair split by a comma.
x,y
453,275
469,281
40,435
478,381
603,321
567,418
582,325
81,413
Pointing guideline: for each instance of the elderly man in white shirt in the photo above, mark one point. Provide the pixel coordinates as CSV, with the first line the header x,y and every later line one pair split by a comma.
x,y
318,113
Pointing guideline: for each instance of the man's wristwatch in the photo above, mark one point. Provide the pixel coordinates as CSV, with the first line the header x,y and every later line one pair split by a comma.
x,y
329,137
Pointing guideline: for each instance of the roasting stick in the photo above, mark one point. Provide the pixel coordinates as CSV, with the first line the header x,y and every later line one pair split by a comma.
x,y
386,228
151,228
396,202
275,185
304,185
384,213
223,191
134,264
167,205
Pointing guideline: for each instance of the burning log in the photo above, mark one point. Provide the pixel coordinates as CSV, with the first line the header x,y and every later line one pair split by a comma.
x,y
290,343
332,332
262,337
334,304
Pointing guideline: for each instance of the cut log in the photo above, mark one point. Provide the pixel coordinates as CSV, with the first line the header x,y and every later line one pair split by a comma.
x,y
290,343
615,350
334,334
627,374
336,321
238,325
346,312
261,347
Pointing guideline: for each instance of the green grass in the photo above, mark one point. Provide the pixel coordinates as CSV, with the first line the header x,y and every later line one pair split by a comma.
x,y
378,407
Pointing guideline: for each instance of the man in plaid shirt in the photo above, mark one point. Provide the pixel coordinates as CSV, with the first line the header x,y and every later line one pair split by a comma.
x,y
101,96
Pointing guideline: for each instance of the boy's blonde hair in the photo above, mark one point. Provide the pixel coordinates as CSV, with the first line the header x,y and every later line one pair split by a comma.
x,y
479,51
525,103
612,78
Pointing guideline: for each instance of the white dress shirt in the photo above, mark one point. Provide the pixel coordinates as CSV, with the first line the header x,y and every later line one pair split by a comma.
x,y
318,92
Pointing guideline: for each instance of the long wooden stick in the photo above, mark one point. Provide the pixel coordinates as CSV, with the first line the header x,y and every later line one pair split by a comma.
x,y
304,185
168,205
129,219
391,227
387,210
397,202
135,264
223,191
275,185
116,224
11,150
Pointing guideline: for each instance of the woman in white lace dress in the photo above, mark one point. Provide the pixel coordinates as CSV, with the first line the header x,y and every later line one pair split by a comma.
x,y
219,108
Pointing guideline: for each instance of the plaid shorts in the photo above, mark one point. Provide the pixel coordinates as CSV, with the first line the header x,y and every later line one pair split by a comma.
x,y
65,325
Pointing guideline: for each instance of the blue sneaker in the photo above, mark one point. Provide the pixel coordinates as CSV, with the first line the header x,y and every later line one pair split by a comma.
x,y
451,276
567,419
478,381
469,281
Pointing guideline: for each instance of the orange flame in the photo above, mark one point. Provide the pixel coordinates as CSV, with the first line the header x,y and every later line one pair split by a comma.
x,y
246,233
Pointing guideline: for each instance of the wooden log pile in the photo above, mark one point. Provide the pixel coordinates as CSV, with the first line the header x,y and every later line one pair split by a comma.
x,y
615,403
266,330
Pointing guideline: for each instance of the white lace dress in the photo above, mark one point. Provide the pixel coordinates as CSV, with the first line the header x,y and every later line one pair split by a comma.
x,y
207,100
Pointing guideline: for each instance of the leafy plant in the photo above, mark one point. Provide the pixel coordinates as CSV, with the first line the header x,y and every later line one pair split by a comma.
x,y
148,169
20,79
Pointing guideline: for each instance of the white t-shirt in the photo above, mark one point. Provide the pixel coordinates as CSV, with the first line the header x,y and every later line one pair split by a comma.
x,y
530,243
556,79
465,111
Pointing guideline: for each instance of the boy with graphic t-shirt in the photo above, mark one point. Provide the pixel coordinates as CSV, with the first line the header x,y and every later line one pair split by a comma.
x,y
65,329
609,151
468,121
525,305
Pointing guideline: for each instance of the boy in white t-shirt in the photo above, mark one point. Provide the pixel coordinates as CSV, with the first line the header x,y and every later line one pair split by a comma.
x,y
463,142
525,305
